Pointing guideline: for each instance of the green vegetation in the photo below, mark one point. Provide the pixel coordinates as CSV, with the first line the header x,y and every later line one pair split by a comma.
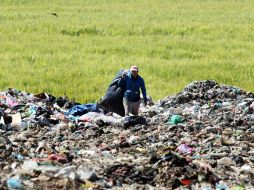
x,y
78,51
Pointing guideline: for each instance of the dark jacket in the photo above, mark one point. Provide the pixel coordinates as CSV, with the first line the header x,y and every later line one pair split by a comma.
x,y
132,87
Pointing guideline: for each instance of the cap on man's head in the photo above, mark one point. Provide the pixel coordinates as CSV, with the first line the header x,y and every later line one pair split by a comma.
x,y
134,68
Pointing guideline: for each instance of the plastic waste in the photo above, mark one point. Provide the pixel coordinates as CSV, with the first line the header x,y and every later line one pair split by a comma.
x,y
14,183
67,172
85,173
17,156
133,120
185,149
221,186
29,166
94,116
175,119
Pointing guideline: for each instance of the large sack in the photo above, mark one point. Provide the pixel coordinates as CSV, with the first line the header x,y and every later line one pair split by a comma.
x,y
113,99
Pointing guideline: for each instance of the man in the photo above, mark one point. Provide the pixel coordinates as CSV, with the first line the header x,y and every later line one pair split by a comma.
x,y
131,83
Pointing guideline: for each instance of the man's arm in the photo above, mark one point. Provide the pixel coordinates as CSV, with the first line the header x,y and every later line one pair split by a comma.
x,y
143,89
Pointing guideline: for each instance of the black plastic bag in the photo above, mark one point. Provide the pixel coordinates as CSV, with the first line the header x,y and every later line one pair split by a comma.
x,y
133,120
113,99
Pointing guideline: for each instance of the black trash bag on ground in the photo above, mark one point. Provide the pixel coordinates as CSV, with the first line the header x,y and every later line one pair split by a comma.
x,y
133,120
113,99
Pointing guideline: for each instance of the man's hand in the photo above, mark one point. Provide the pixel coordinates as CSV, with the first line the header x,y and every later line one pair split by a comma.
x,y
124,75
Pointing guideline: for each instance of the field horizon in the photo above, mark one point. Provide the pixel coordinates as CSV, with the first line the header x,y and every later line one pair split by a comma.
x,y
75,48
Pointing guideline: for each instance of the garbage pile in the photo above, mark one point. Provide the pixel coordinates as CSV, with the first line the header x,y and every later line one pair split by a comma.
x,y
201,138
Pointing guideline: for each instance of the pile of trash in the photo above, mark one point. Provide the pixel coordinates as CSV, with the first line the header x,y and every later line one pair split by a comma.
x,y
201,138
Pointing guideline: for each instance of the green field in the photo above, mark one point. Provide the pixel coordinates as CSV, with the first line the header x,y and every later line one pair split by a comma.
x,y
77,52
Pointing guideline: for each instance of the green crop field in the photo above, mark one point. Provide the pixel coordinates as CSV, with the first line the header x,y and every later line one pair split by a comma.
x,y
75,47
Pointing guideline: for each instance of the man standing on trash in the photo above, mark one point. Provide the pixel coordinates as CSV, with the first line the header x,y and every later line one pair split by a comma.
x,y
131,83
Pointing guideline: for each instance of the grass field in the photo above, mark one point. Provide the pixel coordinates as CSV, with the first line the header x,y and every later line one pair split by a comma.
x,y
78,51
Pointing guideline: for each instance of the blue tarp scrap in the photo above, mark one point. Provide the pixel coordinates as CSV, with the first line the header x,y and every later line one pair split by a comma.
x,y
82,109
